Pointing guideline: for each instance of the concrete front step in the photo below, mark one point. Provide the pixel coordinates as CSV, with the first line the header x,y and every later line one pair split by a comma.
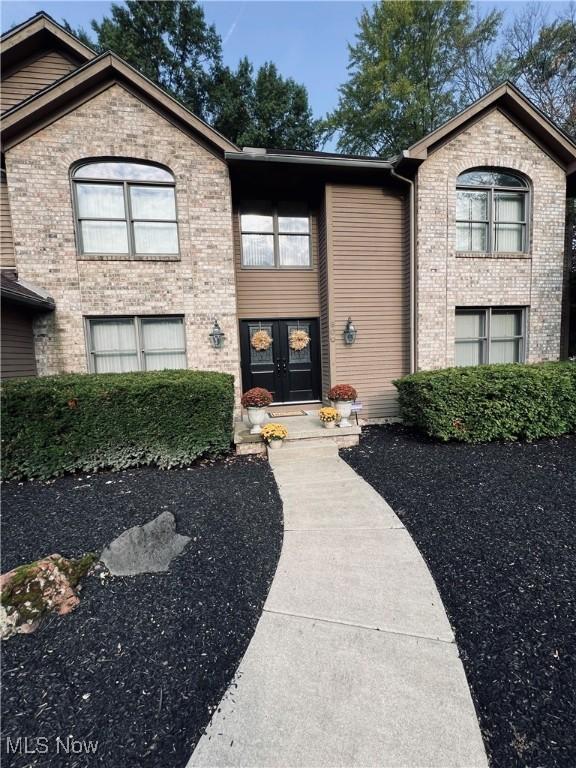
x,y
304,431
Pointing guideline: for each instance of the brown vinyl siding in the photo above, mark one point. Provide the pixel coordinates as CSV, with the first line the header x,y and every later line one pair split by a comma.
x,y
33,77
16,343
323,287
369,260
7,258
270,293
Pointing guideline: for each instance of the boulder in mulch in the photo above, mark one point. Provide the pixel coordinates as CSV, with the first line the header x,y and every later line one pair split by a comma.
x,y
148,548
31,591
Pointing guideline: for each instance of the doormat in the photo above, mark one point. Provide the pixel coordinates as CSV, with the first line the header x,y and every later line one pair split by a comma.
x,y
281,412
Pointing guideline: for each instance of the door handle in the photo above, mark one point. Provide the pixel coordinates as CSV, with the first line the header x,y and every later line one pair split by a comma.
x,y
284,366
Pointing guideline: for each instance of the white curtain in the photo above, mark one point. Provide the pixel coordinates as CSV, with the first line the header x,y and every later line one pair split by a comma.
x,y
114,346
100,201
468,353
294,250
505,351
153,203
155,237
509,215
104,237
163,342
258,250
470,325
506,324
508,238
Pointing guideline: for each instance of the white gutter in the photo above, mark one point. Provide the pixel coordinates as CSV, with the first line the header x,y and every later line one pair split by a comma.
x,y
412,269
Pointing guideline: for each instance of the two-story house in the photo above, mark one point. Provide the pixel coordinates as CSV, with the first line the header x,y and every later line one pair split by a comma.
x,y
130,226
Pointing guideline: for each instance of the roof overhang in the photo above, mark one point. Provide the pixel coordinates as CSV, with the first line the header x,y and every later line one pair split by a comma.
x,y
40,33
95,76
304,158
518,108
19,292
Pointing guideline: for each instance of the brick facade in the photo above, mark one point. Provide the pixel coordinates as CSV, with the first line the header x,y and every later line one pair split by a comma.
x,y
200,285
446,281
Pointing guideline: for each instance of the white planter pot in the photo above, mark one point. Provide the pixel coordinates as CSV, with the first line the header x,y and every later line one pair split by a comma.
x,y
256,417
344,408
329,424
275,444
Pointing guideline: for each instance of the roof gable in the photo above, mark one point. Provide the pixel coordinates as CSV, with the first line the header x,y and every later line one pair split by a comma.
x,y
512,102
38,34
47,105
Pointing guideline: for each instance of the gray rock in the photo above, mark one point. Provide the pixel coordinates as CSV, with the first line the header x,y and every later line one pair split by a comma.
x,y
145,548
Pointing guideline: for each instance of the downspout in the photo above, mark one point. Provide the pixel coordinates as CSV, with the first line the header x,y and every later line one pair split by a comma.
x,y
410,182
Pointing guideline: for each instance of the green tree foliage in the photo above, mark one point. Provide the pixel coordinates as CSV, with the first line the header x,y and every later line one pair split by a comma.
x,y
416,64
171,43
541,56
403,70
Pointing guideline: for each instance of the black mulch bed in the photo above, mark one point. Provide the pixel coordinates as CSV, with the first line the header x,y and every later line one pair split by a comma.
x,y
143,661
497,526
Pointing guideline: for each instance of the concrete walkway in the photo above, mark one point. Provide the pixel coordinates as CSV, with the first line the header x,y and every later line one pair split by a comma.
x,y
353,662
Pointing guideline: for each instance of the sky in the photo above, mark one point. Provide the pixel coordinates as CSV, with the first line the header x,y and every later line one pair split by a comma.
x,y
306,39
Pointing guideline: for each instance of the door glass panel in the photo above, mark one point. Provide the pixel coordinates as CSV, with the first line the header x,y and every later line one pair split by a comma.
x,y
302,355
264,356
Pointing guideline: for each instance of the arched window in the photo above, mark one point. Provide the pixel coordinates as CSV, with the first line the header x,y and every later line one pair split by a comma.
x,y
126,209
491,211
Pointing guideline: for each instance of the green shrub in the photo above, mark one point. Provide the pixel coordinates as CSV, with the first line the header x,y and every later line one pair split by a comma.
x,y
491,402
57,424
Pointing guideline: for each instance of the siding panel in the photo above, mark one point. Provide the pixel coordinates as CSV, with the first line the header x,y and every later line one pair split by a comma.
x,y
7,258
16,344
270,293
370,282
33,77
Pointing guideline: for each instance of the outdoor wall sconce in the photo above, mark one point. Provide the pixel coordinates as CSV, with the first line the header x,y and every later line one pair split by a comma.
x,y
216,335
349,332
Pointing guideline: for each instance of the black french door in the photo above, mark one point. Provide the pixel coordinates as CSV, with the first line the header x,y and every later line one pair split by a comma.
x,y
290,375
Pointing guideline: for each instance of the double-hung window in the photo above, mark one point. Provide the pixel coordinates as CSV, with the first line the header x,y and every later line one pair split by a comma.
x,y
491,212
120,344
125,209
492,335
275,236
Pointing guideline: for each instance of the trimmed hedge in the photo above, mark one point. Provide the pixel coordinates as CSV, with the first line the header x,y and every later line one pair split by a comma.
x,y
57,424
491,402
